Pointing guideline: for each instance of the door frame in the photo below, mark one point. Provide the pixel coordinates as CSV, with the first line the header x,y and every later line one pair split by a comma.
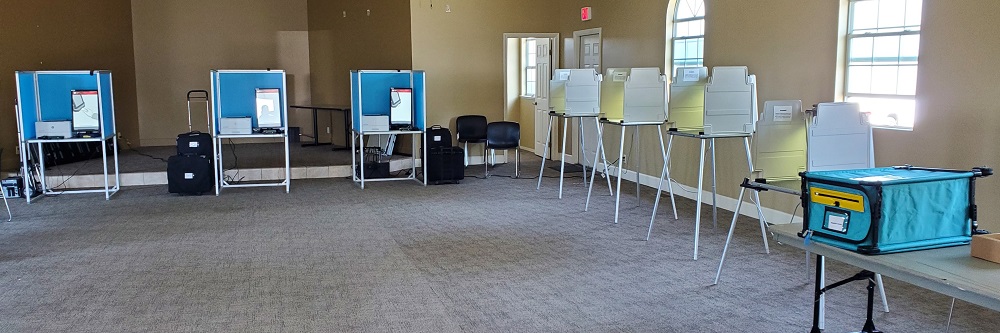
x,y
577,38
555,64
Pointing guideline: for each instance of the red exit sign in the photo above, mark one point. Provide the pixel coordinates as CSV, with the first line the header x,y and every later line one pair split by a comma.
x,y
586,13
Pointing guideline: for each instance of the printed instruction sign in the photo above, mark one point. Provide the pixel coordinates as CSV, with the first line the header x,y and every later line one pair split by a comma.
x,y
691,75
782,113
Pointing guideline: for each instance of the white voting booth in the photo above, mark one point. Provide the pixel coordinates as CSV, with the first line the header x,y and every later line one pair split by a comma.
x,y
574,94
839,137
687,98
728,110
781,141
730,101
633,97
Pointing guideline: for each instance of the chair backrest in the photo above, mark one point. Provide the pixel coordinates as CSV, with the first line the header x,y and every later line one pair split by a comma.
x,y
780,152
471,128
730,101
839,137
503,135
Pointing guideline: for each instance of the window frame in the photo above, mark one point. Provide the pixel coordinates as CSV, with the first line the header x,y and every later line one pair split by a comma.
x,y
674,22
526,66
875,32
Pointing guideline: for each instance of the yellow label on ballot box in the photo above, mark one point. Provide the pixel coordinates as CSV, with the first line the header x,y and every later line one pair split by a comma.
x,y
838,199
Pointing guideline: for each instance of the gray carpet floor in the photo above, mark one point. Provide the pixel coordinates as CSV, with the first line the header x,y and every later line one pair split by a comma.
x,y
486,255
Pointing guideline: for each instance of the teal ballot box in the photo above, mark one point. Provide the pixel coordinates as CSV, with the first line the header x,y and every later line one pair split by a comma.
x,y
893,209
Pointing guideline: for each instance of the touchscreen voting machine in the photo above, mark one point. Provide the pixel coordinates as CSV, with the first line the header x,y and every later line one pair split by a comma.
x,y
268,108
86,111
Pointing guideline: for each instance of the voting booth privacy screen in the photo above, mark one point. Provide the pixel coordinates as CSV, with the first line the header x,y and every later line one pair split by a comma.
x,y
634,95
254,96
885,210
398,96
575,92
84,99
686,109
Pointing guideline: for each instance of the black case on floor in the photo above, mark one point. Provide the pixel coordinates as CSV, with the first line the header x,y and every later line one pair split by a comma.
x,y
445,165
438,136
190,174
194,143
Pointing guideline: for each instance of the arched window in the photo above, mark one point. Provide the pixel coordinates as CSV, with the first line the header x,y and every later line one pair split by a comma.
x,y
688,42
883,41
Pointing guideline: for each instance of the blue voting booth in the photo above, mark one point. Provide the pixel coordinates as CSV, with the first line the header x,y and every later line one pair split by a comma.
x,y
67,107
379,109
237,99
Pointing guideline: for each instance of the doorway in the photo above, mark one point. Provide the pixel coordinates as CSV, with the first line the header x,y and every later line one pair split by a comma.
x,y
529,59
589,55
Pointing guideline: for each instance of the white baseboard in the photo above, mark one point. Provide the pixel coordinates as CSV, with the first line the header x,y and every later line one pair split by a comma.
x,y
772,216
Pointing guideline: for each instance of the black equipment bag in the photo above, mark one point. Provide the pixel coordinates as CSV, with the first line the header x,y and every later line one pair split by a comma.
x,y
445,165
194,143
190,174
438,136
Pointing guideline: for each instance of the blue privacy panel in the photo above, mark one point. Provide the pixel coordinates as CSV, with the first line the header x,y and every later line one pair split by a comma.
x,y
370,94
107,103
26,100
47,96
235,94
54,93
419,100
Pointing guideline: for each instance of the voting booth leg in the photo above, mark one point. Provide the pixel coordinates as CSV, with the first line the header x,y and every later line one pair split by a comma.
x,y
618,188
701,184
756,198
638,155
732,227
664,173
583,149
604,161
545,153
604,158
562,160
715,201
818,298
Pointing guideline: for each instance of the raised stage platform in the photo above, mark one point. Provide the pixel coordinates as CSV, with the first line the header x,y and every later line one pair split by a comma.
x,y
244,162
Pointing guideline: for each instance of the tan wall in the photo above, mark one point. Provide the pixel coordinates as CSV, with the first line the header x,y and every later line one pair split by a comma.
x,y
462,52
177,43
65,35
340,44
632,35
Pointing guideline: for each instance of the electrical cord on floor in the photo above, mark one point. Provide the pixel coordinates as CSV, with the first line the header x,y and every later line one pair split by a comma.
x,y
128,145
78,169
236,162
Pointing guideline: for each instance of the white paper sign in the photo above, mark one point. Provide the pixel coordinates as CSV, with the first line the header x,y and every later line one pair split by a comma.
x,y
835,222
690,75
782,113
563,75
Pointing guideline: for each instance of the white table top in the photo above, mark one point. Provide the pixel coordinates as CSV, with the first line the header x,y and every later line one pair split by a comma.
x,y
950,271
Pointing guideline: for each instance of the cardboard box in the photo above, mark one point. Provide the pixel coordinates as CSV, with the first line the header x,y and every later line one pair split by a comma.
x,y
986,247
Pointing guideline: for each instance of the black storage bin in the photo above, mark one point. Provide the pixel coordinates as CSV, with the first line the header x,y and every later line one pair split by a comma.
x,y
445,165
